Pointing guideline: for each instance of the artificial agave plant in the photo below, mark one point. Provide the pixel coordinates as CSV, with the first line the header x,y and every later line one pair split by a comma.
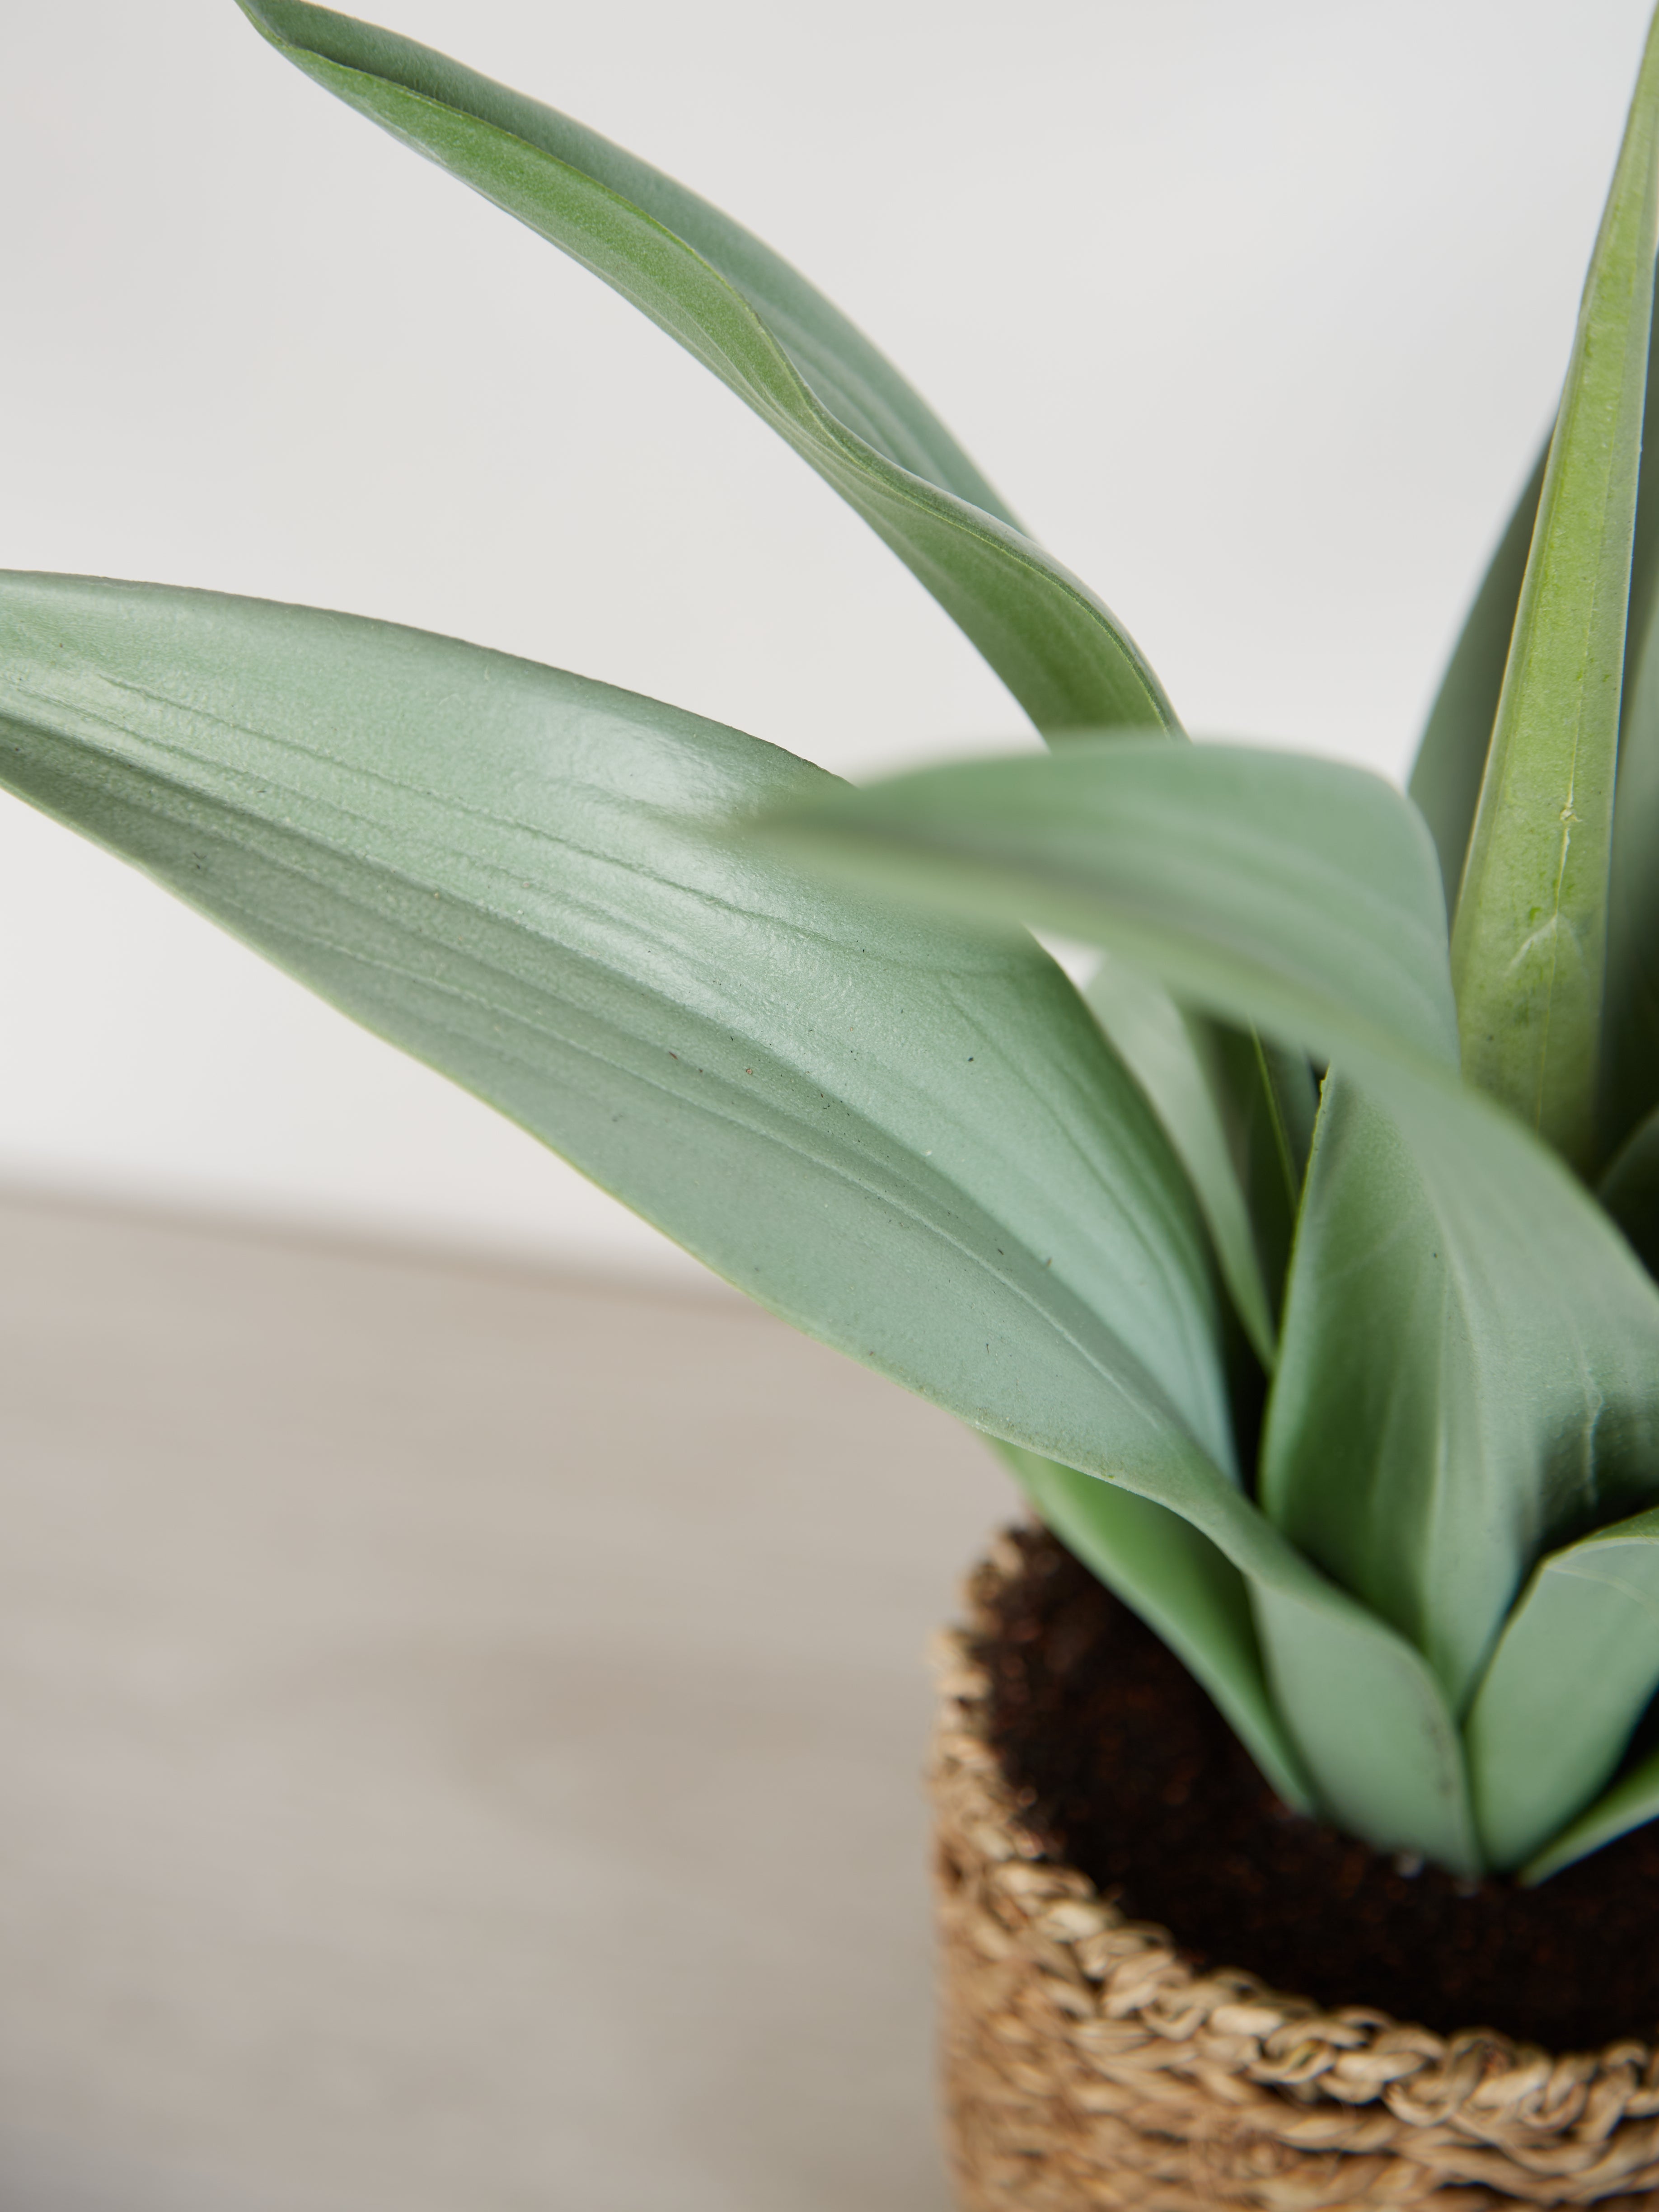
x,y
1299,1269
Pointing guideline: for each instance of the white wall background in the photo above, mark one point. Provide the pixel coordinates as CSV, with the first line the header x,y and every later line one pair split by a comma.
x,y
1255,313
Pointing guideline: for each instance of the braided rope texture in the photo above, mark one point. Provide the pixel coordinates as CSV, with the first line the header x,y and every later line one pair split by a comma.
x,y
1087,2065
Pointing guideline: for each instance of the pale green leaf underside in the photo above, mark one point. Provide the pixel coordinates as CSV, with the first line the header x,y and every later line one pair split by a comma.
x,y
1167,1053
1182,1587
1467,1366
1578,1661
1529,941
1268,887
776,342
911,1140
907,1137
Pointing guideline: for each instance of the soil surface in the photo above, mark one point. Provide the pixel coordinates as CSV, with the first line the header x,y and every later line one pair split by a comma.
x,y
1125,1770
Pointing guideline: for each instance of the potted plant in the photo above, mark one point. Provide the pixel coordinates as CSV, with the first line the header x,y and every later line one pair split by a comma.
x,y
1302,1272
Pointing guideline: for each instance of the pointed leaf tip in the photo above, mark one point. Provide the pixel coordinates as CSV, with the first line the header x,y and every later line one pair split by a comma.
x,y
1529,942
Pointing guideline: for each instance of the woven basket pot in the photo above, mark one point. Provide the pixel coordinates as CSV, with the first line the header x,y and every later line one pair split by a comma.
x,y
1086,2064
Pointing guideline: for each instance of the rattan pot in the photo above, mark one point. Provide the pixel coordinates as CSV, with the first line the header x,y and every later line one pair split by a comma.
x,y
1086,2064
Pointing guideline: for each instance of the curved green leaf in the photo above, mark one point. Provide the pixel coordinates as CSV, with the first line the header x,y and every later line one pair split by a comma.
x,y
765,332
909,1137
1367,1715
911,1140
778,343
1182,1588
1569,1679
1630,1090
1466,1367
1373,1731
1451,757
1529,941
1629,1074
1171,1058
1268,887
1632,1802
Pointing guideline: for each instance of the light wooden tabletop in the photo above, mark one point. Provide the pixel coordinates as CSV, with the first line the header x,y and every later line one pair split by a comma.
x,y
459,1732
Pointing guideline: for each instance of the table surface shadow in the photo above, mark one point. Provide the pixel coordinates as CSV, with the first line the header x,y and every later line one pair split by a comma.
x,y
460,1731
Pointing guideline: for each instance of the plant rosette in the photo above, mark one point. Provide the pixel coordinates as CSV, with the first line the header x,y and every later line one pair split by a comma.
x,y
1302,1268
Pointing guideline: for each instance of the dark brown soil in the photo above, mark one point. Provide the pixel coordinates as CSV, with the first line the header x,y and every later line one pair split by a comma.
x,y
1127,1771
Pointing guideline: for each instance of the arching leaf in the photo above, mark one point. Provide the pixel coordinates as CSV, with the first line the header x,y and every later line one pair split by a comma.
x,y
1268,887
910,1138
776,342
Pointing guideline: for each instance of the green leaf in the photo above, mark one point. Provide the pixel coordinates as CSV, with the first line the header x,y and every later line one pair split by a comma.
x,y
1631,1072
765,332
1466,1370
1530,936
1171,1057
1373,1732
1465,1334
1569,1679
1633,1800
1451,758
1630,1075
1299,894
1366,1714
1270,1100
911,1139
1182,1588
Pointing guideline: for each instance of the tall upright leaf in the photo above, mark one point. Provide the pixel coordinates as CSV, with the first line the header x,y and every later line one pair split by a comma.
x,y
1629,1080
1630,1075
1451,757
764,332
1529,940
